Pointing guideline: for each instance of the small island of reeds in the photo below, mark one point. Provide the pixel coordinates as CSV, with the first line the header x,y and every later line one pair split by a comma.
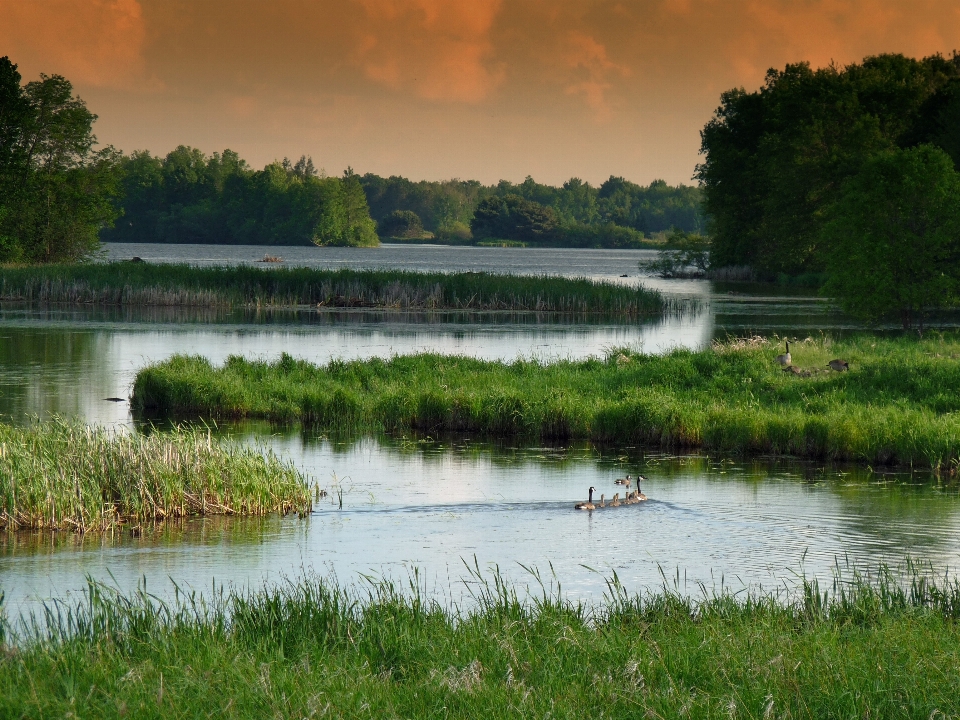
x,y
898,404
128,283
867,647
62,475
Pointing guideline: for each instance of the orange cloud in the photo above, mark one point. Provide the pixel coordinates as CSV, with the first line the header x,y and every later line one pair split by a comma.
x,y
589,58
94,42
438,48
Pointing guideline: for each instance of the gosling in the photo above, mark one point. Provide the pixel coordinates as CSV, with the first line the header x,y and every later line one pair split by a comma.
x,y
839,365
784,359
616,500
588,505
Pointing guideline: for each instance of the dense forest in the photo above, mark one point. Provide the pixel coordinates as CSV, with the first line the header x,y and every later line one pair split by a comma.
x,y
777,160
617,213
187,197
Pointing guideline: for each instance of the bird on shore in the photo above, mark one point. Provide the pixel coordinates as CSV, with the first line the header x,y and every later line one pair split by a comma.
x,y
588,505
784,358
839,365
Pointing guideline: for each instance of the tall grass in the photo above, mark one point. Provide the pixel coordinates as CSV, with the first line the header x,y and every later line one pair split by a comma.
x,y
67,476
154,284
900,403
867,647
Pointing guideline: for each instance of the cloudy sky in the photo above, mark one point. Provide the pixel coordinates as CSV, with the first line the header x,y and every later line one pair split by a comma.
x,y
484,89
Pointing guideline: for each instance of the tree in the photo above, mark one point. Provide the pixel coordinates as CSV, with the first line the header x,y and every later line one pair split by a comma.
x,y
513,218
775,159
56,189
401,224
894,237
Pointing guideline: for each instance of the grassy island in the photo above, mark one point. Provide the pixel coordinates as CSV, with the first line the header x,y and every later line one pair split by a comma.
x,y
898,404
309,649
66,476
127,283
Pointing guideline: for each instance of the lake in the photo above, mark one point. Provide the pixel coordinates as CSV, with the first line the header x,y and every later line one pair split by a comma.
x,y
434,504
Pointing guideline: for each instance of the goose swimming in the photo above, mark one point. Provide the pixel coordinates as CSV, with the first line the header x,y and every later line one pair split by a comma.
x,y
588,505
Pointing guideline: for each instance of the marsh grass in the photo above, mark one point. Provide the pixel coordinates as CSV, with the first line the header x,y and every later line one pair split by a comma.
x,y
899,404
61,475
879,646
183,285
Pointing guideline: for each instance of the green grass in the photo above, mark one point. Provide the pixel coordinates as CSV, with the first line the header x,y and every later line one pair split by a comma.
x,y
66,476
899,404
870,647
125,283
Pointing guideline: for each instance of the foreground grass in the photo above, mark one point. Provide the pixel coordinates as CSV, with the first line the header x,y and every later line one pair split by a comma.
x,y
866,648
67,476
125,283
898,404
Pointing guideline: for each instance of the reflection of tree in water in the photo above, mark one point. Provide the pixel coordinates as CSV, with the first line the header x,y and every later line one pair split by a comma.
x,y
47,372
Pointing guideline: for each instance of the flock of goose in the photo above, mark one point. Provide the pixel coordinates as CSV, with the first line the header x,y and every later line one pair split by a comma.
x,y
786,361
634,497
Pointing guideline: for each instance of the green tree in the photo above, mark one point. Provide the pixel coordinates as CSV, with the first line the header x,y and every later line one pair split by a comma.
x,y
775,159
56,189
401,224
513,218
894,237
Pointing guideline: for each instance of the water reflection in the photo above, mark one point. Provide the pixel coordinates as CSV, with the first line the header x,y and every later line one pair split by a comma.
x,y
428,504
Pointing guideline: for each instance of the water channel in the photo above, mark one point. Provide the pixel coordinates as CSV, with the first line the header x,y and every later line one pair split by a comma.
x,y
430,505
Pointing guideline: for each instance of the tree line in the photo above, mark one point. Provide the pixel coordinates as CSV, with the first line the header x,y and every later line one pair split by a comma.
x,y
188,197
618,213
847,171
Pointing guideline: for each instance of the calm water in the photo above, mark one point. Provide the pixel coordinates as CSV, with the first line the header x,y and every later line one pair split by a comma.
x,y
431,505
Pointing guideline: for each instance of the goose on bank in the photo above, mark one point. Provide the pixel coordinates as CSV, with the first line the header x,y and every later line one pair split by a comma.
x,y
588,505
839,365
784,358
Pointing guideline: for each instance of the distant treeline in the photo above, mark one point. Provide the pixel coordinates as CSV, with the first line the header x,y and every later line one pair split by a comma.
x,y
776,160
617,213
187,197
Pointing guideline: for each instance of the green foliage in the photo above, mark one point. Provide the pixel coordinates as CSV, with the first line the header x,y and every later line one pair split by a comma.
x,y
862,647
513,218
125,283
66,476
617,214
900,403
401,224
55,189
893,237
191,198
688,256
776,159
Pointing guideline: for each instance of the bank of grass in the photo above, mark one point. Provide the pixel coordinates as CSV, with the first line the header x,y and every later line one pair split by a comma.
x,y
899,404
127,283
61,475
867,647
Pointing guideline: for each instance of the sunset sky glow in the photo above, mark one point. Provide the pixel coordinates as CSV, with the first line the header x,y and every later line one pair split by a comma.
x,y
433,89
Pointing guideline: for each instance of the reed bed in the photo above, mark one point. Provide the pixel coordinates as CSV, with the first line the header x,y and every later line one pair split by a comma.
x,y
899,404
61,475
124,283
868,646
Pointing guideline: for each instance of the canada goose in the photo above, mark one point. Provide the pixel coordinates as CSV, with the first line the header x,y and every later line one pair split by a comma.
x,y
602,503
839,365
784,359
792,369
588,505
616,500
623,481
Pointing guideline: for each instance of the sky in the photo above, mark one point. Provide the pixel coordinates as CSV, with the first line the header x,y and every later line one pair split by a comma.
x,y
437,89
